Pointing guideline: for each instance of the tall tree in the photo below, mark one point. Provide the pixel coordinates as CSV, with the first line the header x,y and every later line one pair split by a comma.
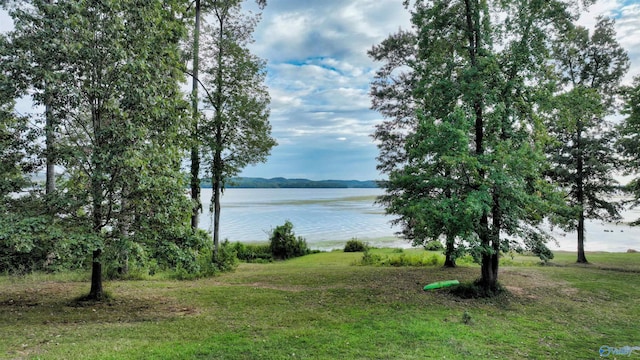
x,y
195,143
199,6
629,140
49,129
471,168
237,132
33,46
393,95
582,153
122,108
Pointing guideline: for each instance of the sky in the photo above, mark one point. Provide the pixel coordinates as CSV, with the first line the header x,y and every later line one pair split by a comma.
x,y
319,75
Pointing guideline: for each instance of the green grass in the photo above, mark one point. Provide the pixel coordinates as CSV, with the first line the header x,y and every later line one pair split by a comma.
x,y
322,307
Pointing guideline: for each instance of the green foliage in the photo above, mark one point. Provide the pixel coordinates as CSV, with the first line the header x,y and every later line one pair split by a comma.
x,y
461,142
237,132
284,244
434,245
581,151
31,239
253,253
466,318
355,245
400,259
537,246
227,259
369,258
629,140
115,97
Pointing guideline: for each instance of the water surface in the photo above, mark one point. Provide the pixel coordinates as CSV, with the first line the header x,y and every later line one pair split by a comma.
x,y
327,218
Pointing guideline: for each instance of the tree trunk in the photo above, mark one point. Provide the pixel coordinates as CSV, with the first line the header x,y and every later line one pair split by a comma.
x,y
217,156
126,220
582,258
96,292
50,185
217,192
217,187
195,150
580,193
450,261
489,268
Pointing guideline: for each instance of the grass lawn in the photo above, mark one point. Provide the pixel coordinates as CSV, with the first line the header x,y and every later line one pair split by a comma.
x,y
323,307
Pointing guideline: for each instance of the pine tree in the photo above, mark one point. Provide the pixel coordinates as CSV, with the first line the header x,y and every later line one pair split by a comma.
x,y
582,151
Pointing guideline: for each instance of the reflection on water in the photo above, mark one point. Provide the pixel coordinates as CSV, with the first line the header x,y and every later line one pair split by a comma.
x,y
327,218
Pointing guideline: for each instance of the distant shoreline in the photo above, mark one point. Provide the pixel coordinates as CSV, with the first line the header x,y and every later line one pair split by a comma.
x,y
282,183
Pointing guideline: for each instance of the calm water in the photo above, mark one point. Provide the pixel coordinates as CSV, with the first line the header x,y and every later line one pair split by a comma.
x,y
327,218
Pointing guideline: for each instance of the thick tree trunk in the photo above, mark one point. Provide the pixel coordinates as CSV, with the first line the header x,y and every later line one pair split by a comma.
x,y
489,269
195,149
489,266
449,261
582,258
96,292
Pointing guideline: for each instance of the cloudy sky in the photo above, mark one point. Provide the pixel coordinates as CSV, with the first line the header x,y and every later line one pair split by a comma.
x,y
319,75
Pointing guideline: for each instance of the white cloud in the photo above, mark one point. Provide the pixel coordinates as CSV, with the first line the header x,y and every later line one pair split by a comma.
x,y
319,75
627,17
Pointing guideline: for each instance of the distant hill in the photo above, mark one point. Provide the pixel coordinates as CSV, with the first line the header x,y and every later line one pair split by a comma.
x,y
282,183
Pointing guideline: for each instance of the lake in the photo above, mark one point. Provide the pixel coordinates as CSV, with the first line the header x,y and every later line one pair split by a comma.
x,y
327,218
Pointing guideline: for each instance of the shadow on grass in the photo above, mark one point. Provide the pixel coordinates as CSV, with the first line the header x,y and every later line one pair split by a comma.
x,y
55,304
474,290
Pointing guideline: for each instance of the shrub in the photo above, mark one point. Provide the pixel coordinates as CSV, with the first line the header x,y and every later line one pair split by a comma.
x,y
355,245
434,245
284,244
403,259
226,259
253,252
369,258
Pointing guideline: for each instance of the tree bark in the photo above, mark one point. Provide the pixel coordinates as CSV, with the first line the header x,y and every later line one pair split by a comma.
x,y
489,266
449,261
216,182
489,271
50,185
217,192
96,292
217,157
582,258
195,150
580,194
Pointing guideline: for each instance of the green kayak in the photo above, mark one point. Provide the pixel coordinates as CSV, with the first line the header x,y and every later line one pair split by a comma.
x,y
441,284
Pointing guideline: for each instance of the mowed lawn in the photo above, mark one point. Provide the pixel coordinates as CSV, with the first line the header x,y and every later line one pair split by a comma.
x,y
322,306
